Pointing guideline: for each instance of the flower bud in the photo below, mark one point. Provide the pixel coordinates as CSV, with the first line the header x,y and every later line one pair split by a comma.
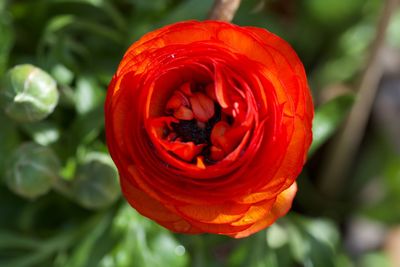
x,y
32,170
28,93
96,182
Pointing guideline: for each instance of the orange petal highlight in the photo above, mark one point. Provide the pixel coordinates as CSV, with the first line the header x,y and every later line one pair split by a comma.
x,y
218,214
186,151
281,207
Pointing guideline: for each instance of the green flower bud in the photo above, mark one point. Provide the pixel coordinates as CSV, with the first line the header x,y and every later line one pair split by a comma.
x,y
32,170
96,182
28,93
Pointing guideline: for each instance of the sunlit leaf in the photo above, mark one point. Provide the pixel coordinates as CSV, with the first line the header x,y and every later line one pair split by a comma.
x,y
43,132
375,259
276,236
88,95
313,242
144,244
62,74
328,118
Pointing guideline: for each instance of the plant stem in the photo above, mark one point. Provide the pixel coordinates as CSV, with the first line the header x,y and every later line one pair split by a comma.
x,y
224,10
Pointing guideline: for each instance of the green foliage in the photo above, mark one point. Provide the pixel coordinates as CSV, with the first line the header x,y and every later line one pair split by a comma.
x,y
7,38
313,242
10,134
118,237
330,13
143,244
328,118
43,132
293,239
375,259
88,95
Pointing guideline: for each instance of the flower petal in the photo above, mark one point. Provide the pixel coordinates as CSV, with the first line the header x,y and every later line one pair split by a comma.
x,y
281,207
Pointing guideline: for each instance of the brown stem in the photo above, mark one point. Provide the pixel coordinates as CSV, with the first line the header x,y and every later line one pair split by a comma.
x,y
342,152
224,10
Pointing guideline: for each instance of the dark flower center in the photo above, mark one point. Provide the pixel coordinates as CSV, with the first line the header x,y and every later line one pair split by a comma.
x,y
196,128
190,131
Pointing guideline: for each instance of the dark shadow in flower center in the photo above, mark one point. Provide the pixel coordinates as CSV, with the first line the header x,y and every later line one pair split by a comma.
x,y
189,131
201,132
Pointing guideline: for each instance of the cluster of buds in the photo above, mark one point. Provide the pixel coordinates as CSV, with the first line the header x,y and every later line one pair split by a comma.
x,y
28,96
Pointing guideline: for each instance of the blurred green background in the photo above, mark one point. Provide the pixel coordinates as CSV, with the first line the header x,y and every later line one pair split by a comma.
x,y
59,195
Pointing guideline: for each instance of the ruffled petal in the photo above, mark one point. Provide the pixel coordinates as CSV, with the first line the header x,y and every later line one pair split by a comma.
x,y
280,208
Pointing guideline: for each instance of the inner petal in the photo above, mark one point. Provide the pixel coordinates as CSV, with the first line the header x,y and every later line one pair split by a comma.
x,y
208,119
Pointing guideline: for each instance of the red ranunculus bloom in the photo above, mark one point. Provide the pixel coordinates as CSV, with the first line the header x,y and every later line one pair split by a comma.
x,y
209,125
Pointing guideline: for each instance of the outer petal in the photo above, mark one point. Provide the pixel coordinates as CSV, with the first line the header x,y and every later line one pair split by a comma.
x,y
286,56
280,208
218,214
151,208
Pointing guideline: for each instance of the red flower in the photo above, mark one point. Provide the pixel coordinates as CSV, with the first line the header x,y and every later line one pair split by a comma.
x,y
209,125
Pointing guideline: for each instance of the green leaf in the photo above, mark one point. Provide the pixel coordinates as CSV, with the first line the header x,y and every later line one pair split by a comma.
x,y
11,240
143,243
374,259
276,236
87,127
343,260
62,74
9,140
7,40
333,12
323,231
392,176
313,242
255,251
387,199
83,253
166,249
88,95
107,7
42,132
58,23
328,118
299,245
191,9
45,249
